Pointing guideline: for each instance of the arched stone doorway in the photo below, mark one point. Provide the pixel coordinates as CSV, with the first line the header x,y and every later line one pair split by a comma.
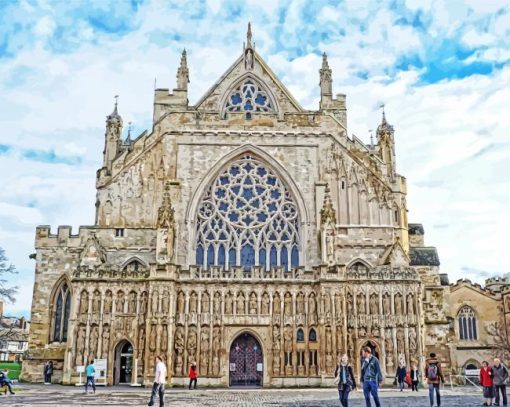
x,y
373,347
246,361
123,364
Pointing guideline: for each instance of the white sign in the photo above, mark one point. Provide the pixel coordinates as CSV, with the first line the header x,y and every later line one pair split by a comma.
x,y
80,369
100,371
232,367
472,372
259,367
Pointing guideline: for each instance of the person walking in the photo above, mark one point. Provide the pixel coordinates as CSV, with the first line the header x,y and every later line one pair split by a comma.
x,y
158,387
48,371
371,377
5,381
344,378
500,379
401,374
487,382
414,374
434,376
90,371
193,375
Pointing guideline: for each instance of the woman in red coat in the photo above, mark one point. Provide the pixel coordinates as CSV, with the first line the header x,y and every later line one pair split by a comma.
x,y
193,374
487,383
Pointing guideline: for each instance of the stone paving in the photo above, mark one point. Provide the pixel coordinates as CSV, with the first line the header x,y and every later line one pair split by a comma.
x,y
39,395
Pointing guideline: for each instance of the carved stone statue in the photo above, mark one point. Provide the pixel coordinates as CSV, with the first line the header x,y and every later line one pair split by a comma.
x,y
80,345
386,304
204,351
106,341
119,302
277,305
155,302
141,340
94,336
165,303
240,304
312,305
193,301
361,305
84,302
276,338
253,303
108,302
217,304
153,336
216,339
329,363
180,303
143,303
276,362
338,305
412,341
192,344
215,365
350,308
329,340
132,302
287,341
398,304
339,338
164,339
287,304
229,304
96,302
300,303
410,304
205,303
374,305
179,349
265,304
400,341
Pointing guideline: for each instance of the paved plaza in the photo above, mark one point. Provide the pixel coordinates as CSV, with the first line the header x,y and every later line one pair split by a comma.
x,y
56,395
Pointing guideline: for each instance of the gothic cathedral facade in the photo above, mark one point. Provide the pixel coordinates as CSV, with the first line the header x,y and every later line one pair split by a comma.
x,y
245,233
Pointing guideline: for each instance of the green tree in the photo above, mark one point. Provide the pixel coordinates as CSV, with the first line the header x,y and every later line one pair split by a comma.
x,y
6,291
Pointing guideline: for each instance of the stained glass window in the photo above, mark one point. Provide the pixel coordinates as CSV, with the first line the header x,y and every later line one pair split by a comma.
x,y
61,313
248,213
249,96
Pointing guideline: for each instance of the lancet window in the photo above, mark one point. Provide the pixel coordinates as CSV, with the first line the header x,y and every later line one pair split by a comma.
x,y
62,310
247,218
467,324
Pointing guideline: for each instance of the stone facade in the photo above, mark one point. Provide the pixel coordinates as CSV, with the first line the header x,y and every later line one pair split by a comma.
x,y
244,214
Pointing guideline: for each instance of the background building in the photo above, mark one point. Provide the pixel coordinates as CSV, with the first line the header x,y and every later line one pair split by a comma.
x,y
245,233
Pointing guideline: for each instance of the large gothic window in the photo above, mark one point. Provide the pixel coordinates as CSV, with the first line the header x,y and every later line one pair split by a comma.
x,y
467,324
247,218
62,310
249,96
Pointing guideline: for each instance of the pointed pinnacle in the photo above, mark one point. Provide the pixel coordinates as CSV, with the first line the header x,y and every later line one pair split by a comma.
x,y
248,36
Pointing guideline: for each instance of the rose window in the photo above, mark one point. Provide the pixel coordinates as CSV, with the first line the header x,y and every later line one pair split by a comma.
x,y
247,218
249,97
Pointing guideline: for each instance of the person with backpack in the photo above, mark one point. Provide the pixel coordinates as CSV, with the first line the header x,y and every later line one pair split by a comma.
x,y
371,376
500,379
401,374
344,378
487,382
434,376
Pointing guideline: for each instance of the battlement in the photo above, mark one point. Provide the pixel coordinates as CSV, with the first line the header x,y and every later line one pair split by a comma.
x,y
496,284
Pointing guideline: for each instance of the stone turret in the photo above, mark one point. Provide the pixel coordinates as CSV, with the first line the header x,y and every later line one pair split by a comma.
x,y
183,73
386,143
336,106
113,138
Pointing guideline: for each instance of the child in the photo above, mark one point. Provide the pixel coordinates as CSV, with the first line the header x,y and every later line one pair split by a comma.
x,y
414,374
193,374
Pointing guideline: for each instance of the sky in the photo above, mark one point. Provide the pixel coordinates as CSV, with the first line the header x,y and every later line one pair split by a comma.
x,y
440,67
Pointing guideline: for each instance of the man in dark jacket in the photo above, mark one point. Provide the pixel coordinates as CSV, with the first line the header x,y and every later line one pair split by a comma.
x,y
434,376
371,376
500,378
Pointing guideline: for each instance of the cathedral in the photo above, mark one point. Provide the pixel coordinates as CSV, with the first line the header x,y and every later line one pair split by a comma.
x,y
246,234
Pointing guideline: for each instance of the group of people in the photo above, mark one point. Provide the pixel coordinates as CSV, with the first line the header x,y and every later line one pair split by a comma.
x,y
372,378
404,376
493,379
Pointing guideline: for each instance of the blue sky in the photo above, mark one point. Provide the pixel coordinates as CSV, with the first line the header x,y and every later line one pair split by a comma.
x,y
441,68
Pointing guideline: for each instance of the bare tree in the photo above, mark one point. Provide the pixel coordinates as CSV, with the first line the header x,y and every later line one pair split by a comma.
x,y
499,330
6,292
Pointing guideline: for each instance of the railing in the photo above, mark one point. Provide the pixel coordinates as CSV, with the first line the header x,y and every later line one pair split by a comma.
x,y
466,378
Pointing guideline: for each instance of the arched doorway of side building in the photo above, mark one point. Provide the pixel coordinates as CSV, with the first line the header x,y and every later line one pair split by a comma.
x,y
123,363
246,361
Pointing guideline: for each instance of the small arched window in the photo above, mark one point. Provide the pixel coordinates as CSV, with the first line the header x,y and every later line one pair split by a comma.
x,y
312,335
62,310
467,324
300,335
